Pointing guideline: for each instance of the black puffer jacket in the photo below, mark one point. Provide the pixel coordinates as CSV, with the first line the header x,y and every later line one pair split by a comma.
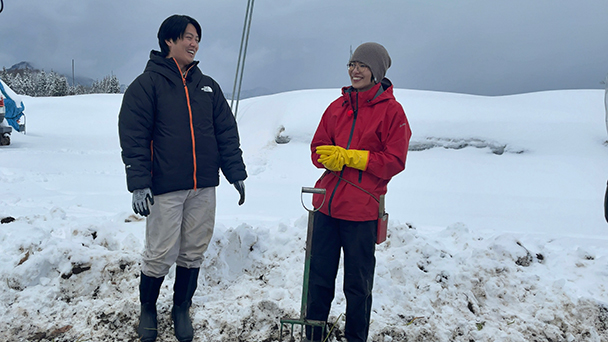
x,y
176,133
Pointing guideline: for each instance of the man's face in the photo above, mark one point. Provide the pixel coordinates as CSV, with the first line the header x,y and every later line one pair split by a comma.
x,y
184,49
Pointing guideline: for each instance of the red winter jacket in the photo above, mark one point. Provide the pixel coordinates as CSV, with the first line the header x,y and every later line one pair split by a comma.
x,y
362,121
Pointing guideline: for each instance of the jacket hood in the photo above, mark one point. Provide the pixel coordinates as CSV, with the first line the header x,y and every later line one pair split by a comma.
x,y
166,66
382,91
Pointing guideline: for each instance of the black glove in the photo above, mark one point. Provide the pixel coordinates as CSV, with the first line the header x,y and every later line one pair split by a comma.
x,y
140,201
240,187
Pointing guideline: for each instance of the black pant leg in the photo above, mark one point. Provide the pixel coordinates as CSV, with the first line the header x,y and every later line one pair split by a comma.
x,y
359,244
325,258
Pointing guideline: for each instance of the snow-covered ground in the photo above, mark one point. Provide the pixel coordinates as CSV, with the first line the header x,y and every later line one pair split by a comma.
x,y
496,226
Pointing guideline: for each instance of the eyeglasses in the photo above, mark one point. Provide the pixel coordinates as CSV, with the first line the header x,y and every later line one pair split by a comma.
x,y
353,65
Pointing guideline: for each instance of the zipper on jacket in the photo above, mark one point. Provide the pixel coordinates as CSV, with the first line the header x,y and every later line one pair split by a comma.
x,y
183,76
350,138
355,112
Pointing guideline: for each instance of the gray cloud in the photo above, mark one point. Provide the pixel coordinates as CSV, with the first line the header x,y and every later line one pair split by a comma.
x,y
470,46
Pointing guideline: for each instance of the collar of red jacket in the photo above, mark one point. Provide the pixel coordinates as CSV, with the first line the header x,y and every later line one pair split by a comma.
x,y
379,92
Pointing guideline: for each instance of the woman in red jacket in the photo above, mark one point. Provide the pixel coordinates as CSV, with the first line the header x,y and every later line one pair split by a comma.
x,y
361,142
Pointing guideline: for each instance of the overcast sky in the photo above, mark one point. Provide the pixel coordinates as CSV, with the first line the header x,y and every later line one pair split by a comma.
x,y
482,47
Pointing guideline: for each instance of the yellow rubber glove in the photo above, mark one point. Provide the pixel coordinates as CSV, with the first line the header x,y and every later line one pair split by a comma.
x,y
336,157
332,162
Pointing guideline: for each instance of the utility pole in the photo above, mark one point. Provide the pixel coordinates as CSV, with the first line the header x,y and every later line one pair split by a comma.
x,y
606,100
240,67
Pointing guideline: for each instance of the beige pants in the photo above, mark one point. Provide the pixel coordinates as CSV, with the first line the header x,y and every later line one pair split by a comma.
x,y
178,230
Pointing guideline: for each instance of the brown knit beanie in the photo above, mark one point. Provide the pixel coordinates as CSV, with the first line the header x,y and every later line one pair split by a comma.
x,y
375,56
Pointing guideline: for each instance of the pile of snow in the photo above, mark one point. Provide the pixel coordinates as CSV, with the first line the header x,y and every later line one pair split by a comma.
x,y
496,226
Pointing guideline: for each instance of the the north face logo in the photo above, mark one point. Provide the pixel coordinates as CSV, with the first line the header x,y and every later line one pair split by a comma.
x,y
207,89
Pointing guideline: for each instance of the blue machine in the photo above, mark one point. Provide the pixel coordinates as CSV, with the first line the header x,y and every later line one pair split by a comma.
x,y
11,112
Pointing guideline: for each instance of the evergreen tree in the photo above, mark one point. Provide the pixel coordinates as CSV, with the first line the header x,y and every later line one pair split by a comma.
x,y
59,85
4,76
22,85
40,84
95,87
113,85
27,84
80,90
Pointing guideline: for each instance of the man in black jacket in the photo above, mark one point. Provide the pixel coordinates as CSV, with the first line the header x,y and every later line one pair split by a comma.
x,y
176,132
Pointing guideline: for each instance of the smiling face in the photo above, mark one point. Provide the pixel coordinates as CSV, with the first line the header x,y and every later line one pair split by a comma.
x,y
360,76
184,49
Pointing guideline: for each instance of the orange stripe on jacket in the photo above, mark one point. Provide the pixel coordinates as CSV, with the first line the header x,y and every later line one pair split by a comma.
x,y
191,123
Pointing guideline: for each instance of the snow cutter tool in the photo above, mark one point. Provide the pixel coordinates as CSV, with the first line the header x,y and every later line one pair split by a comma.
x,y
302,321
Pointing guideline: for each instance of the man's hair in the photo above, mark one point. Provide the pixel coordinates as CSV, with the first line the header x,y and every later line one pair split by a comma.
x,y
173,28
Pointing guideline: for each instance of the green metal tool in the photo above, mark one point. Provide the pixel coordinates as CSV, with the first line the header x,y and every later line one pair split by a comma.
x,y
302,321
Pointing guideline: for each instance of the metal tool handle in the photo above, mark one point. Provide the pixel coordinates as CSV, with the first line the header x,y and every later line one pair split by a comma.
x,y
381,206
308,190
312,190
308,257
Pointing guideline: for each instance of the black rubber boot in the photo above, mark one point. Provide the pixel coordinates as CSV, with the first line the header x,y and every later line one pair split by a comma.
x,y
149,288
183,290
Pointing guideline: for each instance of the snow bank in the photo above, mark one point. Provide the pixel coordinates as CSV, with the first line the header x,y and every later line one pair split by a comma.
x,y
482,246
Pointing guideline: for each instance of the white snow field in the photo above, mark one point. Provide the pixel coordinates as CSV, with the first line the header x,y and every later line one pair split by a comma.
x,y
496,226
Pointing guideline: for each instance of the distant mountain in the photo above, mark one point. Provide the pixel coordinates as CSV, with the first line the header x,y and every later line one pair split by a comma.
x,y
22,66
82,80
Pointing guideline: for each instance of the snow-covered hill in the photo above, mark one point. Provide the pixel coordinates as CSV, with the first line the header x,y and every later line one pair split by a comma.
x,y
496,233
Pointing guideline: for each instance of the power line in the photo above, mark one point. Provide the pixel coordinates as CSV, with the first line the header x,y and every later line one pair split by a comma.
x,y
240,67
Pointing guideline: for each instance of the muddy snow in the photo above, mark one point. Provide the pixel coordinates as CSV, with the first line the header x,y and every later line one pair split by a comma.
x,y
496,228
